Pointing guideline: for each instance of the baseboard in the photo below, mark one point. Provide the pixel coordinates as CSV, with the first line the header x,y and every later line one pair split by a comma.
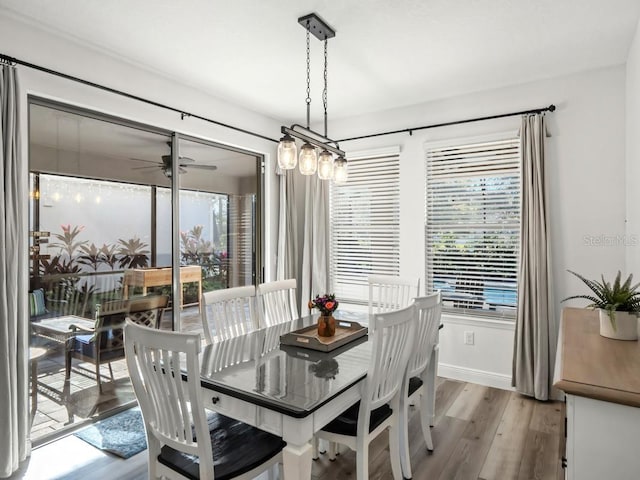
x,y
472,375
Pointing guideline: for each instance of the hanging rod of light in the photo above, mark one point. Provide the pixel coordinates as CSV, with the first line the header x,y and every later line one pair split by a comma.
x,y
309,160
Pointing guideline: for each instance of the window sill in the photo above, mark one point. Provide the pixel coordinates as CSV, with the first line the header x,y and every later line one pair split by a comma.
x,y
458,319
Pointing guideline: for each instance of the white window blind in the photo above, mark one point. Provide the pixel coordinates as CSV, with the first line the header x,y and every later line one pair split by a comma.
x,y
473,225
365,226
241,230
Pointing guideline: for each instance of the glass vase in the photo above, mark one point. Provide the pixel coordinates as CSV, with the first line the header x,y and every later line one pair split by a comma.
x,y
326,326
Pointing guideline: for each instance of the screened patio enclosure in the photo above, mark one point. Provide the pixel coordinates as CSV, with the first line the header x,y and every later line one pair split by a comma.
x,y
122,212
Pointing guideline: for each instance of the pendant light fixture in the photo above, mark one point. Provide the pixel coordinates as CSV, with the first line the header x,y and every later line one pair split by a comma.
x,y
309,160
325,165
287,153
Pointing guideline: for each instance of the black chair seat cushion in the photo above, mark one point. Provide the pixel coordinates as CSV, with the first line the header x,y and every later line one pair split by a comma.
x,y
84,345
347,422
414,384
237,448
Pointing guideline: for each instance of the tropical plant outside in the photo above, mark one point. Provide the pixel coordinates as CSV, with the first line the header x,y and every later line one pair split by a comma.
x,y
75,259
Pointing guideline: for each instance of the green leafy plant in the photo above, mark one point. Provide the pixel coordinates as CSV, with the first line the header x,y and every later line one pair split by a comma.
x,y
613,297
134,253
90,256
68,240
109,255
195,250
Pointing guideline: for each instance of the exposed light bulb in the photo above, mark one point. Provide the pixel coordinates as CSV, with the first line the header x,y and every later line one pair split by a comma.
x,y
308,159
340,172
287,153
325,165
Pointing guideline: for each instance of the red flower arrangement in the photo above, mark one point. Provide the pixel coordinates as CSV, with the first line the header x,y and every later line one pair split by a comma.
x,y
327,303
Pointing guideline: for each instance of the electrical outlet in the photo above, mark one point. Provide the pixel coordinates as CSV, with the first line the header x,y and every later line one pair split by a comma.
x,y
468,337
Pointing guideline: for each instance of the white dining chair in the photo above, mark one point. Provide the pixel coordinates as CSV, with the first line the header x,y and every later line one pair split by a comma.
x,y
229,312
419,383
379,407
387,292
277,302
184,440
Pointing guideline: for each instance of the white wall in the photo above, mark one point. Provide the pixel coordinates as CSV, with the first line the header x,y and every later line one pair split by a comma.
x,y
31,44
633,153
586,168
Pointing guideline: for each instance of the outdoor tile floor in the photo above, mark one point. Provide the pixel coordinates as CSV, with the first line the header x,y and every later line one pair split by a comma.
x,y
56,413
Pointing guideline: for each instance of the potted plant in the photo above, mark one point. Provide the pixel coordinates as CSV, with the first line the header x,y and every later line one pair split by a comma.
x,y
618,304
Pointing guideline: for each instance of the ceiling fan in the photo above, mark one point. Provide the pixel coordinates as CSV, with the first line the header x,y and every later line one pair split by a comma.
x,y
165,165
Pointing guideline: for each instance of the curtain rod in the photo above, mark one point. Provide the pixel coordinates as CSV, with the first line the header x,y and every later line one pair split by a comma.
x,y
14,61
550,108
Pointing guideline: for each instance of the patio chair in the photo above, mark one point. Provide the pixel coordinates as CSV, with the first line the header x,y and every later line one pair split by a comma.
x,y
105,343
148,310
229,312
277,302
184,440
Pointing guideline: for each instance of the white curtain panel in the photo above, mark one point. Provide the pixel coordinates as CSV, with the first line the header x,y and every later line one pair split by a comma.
x,y
14,332
532,362
287,264
315,250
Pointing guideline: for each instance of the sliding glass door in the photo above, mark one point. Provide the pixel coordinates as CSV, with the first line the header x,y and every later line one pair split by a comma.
x,y
106,231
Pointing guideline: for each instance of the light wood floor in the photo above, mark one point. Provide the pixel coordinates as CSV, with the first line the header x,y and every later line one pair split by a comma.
x,y
480,433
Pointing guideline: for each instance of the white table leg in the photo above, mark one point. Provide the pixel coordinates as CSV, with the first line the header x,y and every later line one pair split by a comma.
x,y
296,461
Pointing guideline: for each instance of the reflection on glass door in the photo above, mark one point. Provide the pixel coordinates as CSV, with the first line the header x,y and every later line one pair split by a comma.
x,y
93,239
218,191
101,223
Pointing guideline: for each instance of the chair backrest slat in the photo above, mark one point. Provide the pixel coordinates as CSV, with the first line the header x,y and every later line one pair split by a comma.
x,y
429,309
229,312
388,293
393,340
277,302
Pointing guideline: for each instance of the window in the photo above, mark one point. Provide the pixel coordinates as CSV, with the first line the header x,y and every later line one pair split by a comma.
x,y
473,224
365,225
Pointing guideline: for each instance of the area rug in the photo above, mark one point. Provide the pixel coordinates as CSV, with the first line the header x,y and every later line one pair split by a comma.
x,y
121,434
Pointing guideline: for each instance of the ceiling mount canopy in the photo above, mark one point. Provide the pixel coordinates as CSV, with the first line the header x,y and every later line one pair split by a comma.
x,y
309,160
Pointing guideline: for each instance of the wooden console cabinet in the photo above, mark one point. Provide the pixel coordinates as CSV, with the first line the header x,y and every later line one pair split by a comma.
x,y
601,380
157,277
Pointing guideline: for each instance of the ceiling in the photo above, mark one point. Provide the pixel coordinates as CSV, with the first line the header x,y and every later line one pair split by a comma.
x,y
386,53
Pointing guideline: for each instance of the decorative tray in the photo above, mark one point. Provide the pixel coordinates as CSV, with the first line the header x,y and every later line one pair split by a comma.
x,y
320,355
308,337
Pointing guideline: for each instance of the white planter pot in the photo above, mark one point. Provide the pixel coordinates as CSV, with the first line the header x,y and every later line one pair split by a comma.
x,y
626,326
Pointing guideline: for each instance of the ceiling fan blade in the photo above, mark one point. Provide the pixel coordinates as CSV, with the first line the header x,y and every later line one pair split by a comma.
x,y
147,167
166,160
203,167
142,160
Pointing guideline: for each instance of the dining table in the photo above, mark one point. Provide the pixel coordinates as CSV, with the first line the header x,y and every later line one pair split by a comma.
x,y
289,391
286,390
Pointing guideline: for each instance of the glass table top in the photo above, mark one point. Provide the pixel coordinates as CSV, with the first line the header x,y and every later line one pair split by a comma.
x,y
292,380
